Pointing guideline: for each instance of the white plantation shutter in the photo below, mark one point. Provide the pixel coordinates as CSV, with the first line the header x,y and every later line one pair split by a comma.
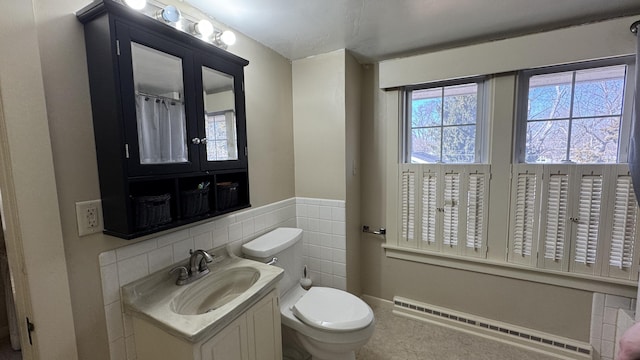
x,y
429,208
556,215
588,220
451,208
475,211
408,205
623,232
524,212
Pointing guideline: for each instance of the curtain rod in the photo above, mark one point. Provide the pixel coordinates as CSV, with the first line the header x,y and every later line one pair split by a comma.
x,y
158,97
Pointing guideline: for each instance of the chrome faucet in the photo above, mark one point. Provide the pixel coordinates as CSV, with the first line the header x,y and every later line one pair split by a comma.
x,y
197,267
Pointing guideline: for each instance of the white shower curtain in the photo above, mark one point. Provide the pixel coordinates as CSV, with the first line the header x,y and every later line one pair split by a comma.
x,y
161,130
634,146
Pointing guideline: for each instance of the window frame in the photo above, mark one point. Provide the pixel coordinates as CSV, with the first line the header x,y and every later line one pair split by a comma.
x,y
522,98
482,119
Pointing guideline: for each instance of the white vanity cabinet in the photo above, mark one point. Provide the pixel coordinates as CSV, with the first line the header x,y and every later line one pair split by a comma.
x,y
254,335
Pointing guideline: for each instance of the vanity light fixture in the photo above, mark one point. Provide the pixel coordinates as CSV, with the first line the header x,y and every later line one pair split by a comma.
x,y
136,4
203,28
169,14
172,16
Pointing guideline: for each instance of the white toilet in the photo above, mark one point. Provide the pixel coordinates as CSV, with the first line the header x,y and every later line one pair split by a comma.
x,y
330,324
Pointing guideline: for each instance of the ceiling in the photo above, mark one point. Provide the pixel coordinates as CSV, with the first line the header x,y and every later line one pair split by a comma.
x,y
379,29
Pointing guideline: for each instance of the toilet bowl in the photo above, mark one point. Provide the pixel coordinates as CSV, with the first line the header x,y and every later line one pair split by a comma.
x,y
330,324
333,339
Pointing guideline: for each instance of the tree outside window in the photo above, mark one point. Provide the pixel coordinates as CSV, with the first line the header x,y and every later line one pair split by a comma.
x,y
443,124
575,116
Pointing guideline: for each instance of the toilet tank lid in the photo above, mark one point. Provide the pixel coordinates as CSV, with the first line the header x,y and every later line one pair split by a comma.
x,y
272,242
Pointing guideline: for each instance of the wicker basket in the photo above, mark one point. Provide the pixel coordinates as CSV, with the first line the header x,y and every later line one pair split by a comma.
x,y
227,193
194,202
152,211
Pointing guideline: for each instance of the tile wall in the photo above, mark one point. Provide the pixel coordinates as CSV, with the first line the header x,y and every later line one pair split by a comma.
x,y
604,323
323,222
324,251
625,321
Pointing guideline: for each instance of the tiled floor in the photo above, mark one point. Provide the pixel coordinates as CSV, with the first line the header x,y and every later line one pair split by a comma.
x,y
397,338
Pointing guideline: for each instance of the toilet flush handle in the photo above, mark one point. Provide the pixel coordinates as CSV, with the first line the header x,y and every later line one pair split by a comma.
x,y
272,261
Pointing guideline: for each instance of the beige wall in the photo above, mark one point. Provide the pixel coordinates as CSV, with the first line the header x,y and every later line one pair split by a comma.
x,y
353,101
327,111
64,70
319,126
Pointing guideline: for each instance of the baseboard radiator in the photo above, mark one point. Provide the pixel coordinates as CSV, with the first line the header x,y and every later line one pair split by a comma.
x,y
541,342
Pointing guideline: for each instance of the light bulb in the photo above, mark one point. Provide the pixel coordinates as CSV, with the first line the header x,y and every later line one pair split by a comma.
x,y
228,37
204,28
170,14
136,4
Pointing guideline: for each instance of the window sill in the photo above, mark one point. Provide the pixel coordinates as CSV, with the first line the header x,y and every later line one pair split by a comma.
x,y
626,288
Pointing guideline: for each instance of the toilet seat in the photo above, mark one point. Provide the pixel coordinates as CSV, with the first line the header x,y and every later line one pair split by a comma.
x,y
332,310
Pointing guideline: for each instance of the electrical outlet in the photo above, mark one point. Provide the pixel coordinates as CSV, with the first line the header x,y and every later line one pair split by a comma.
x,y
89,216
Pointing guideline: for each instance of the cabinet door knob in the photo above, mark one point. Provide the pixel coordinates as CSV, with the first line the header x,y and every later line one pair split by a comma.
x,y
195,141
203,140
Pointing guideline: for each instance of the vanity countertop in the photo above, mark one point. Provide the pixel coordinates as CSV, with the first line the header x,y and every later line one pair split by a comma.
x,y
153,298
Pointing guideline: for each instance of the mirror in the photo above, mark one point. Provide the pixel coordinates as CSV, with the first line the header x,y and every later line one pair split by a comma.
x,y
220,115
160,114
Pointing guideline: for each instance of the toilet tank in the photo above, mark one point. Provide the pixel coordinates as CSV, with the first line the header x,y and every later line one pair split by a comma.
x,y
284,244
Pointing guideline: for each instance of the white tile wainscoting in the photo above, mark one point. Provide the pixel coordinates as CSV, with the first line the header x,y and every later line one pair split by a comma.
x,y
323,222
604,323
324,251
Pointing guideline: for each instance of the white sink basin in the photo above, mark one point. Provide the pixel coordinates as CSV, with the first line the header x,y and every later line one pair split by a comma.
x,y
211,292
202,308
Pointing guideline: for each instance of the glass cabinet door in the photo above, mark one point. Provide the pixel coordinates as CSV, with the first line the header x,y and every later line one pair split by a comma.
x,y
158,102
160,109
221,136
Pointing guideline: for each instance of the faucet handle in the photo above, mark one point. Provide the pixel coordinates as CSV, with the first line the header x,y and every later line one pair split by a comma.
x,y
183,276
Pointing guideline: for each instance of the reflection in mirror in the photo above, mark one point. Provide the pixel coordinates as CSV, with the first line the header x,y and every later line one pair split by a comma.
x,y
162,133
220,115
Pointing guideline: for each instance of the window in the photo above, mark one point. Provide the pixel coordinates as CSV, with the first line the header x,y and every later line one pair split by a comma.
x,y
444,194
572,206
565,206
575,113
444,123
221,144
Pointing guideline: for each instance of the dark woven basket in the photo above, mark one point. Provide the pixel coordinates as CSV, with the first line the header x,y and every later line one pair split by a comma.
x,y
194,202
227,193
152,211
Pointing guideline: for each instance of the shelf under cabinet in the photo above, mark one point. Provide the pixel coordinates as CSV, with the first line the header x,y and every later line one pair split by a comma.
x,y
162,204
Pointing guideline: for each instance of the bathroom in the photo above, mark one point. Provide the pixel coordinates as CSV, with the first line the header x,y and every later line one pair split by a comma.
x,y
45,96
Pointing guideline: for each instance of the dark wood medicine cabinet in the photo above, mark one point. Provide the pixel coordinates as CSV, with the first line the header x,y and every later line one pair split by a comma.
x,y
169,122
